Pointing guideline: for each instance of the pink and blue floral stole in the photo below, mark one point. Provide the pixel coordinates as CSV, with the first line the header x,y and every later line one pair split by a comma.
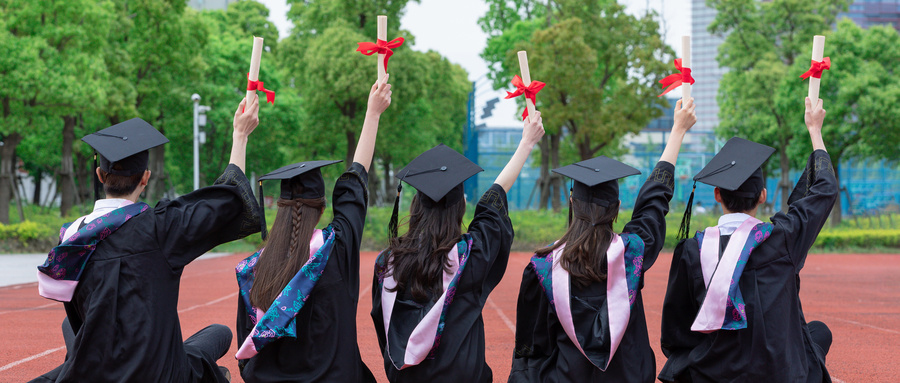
x,y
278,320
59,275
625,258
723,305
426,336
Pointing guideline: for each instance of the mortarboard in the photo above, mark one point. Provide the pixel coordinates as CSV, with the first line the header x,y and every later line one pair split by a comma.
x,y
736,168
306,174
437,173
596,180
123,148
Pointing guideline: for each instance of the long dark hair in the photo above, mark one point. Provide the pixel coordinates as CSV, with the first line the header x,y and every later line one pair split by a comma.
x,y
418,259
586,243
286,248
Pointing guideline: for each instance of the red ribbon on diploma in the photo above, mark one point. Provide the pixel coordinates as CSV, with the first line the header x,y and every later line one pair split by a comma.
x,y
258,85
816,68
675,80
380,47
529,91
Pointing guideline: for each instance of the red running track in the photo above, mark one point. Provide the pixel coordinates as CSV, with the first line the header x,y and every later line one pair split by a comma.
x,y
856,295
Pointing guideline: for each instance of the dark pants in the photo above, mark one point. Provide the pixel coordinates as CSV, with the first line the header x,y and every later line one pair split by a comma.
x,y
820,334
203,350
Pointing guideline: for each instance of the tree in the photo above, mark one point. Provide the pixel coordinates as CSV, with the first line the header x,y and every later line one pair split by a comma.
x,y
63,40
766,49
333,82
604,89
861,97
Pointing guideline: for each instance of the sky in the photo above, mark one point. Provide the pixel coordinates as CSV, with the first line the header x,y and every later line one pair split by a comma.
x,y
450,27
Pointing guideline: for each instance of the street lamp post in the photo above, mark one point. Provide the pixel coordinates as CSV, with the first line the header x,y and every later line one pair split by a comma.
x,y
196,98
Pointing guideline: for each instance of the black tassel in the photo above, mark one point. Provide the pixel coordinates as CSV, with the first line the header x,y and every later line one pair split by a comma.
x,y
569,224
685,228
262,213
96,180
392,225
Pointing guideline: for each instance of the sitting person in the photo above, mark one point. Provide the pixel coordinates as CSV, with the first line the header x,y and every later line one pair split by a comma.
x,y
732,310
121,295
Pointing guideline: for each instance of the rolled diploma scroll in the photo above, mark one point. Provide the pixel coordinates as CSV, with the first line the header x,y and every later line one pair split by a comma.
x,y
526,79
685,63
817,52
253,75
382,35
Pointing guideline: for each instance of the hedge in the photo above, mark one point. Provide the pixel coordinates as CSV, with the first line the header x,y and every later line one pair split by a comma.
x,y
533,229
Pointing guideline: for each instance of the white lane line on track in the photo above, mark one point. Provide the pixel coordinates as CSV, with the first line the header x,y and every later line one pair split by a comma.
x,y
212,302
836,380
30,308
503,316
365,290
30,358
863,324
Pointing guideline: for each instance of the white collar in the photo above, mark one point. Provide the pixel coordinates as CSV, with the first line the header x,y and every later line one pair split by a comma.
x,y
728,223
111,203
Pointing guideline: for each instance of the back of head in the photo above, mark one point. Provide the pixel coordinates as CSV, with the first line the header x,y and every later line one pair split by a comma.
x,y
746,197
587,239
287,246
118,180
418,258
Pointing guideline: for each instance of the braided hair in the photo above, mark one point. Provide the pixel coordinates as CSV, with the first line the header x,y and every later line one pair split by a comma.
x,y
286,249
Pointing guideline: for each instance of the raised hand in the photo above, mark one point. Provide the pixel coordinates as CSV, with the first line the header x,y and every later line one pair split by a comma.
x,y
246,117
380,96
685,117
815,117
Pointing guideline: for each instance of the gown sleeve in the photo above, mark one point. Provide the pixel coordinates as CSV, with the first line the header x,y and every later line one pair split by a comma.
x,y
190,225
349,205
679,310
533,340
492,236
648,220
809,205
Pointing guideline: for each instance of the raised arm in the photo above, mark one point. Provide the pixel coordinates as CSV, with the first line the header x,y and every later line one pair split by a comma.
x,y
245,121
534,130
379,100
685,118
648,220
815,117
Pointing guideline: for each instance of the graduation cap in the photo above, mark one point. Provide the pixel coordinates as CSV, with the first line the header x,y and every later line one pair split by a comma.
x,y
307,174
123,148
596,180
736,168
438,174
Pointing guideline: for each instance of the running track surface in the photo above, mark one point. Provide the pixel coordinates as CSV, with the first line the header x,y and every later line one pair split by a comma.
x,y
856,295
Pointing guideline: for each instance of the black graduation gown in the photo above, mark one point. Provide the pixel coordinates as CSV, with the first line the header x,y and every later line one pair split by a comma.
x,y
326,348
460,356
776,345
124,311
544,353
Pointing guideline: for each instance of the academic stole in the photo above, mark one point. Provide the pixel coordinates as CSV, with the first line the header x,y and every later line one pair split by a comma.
x,y
278,320
723,306
426,336
625,258
59,275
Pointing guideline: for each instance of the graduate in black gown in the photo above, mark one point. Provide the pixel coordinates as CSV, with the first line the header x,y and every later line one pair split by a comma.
x,y
432,283
580,315
732,310
296,319
118,269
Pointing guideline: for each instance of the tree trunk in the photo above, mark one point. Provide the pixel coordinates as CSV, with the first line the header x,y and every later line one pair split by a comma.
x,y
785,184
836,213
351,147
36,196
374,185
85,176
544,181
67,168
157,185
557,183
7,172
